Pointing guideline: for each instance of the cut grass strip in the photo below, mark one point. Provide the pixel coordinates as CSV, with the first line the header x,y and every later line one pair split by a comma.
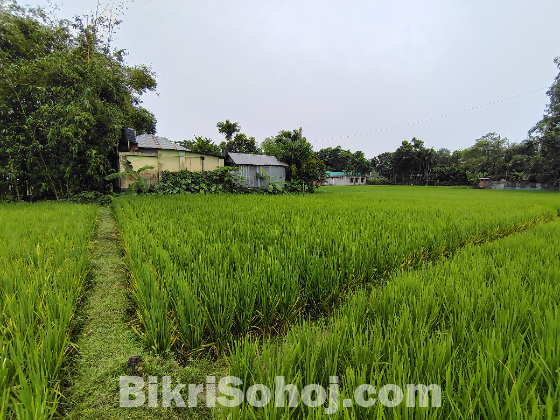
x,y
105,342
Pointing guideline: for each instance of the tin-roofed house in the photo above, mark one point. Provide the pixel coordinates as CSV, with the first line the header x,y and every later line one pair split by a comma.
x,y
162,154
344,178
252,167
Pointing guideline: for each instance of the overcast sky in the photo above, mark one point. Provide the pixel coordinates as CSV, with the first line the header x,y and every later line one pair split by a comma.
x,y
343,68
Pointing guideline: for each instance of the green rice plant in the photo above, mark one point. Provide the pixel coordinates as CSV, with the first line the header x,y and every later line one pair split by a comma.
x,y
44,261
255,264
188,313
219,305
484,325
152,307
246,299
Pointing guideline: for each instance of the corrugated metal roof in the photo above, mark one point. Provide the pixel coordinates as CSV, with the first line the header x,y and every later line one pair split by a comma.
x,y
260,160
332,174
149,141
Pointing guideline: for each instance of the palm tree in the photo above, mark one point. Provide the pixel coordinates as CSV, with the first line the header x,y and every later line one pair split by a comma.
x,y
228,129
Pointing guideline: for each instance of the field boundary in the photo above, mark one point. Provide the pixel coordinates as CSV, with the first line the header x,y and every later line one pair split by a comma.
x,y
104,339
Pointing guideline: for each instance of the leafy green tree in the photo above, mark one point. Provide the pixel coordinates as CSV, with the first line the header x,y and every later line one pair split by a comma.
x,y
547,133
63,100
240,144
228,129
205,145
305,170
412,162
443,157
187,144
404,162
383,165
524,161
447,169
201,145
336,159
358,164
486,157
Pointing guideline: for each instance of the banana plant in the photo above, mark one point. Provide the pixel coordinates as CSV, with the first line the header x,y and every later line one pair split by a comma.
x,y
139,183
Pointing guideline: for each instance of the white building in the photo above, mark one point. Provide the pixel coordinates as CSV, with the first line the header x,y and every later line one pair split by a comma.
x,y
344,178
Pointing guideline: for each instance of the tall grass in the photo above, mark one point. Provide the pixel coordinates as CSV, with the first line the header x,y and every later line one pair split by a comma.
x,y
484,325
43,262
207,269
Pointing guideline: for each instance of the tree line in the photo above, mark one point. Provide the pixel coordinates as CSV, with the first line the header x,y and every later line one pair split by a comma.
x,y
536,159
65,94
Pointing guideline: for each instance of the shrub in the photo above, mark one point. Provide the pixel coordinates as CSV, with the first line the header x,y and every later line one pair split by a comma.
x,y
221,180
378,181
90,197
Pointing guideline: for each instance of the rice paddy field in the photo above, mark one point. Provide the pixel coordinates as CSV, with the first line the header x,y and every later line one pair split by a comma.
x,y
485,325
43,265
373,285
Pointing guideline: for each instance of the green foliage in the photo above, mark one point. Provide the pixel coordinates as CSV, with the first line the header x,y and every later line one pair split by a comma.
x,y
273,187
483,325
306,171
547,134
220,180
358,164
205,145
210,268
486,157
44,260
383,165
335,159
187,144
339,160
63,99
228,129
452,174
378,181
139,185
201,144
240,144
91,197
536,159
413,163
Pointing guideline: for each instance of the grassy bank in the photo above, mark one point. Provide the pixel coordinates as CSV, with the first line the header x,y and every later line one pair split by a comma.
x,y
106,340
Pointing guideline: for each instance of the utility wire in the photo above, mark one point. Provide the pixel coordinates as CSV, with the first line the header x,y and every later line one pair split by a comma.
x,y
432,119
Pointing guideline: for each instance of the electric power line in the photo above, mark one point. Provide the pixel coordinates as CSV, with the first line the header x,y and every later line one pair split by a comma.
x,y
434,118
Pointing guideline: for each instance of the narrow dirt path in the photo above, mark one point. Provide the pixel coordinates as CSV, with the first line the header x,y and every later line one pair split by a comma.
x,y
105,341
